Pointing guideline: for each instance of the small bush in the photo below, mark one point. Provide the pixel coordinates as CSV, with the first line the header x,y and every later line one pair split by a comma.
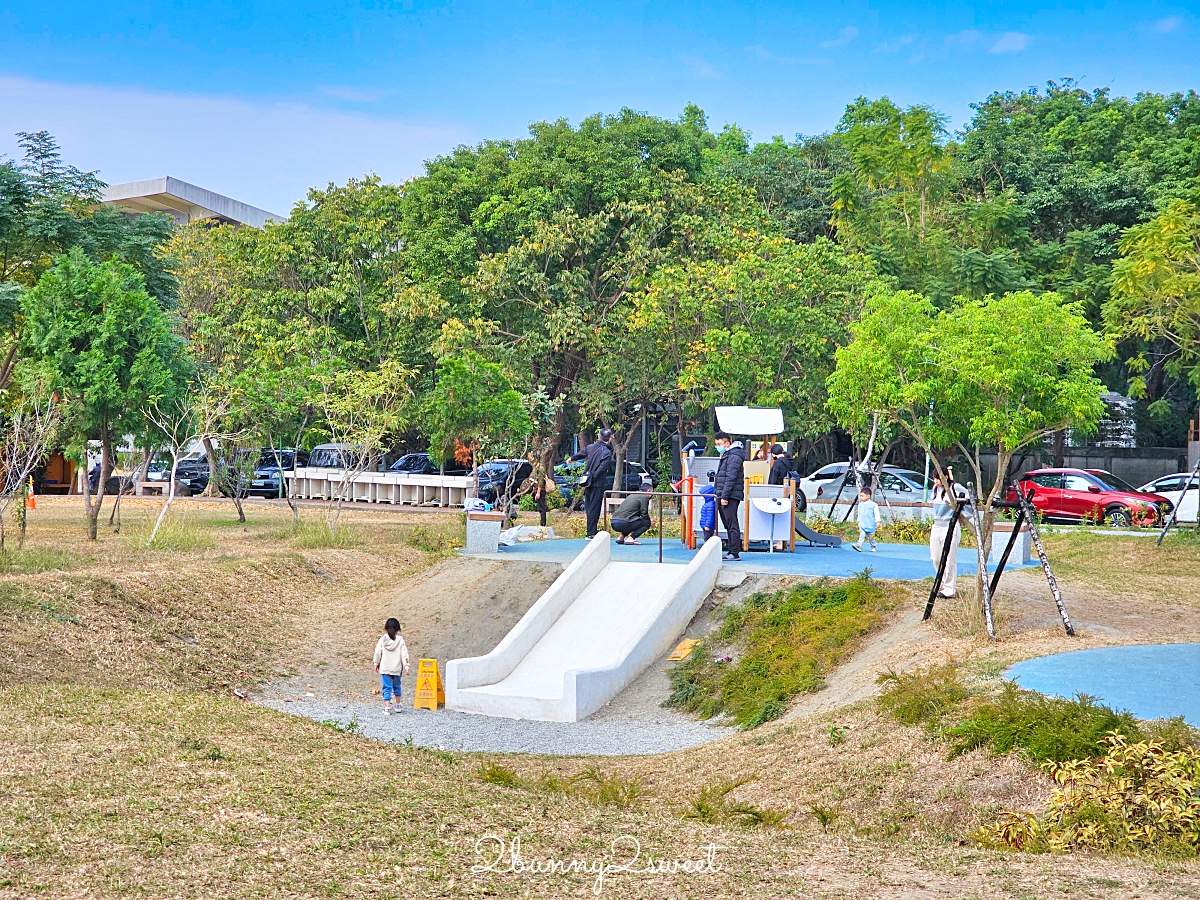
x,y
906,531
1044,728
1172,734
825,525
611,790
1138,797
923,696
783,644
438,539
494,773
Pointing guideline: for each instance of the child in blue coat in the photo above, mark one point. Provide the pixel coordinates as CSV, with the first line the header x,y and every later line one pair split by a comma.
x,y
708,512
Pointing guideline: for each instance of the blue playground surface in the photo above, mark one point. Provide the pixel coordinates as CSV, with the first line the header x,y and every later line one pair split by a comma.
x,y
1152,681
907,562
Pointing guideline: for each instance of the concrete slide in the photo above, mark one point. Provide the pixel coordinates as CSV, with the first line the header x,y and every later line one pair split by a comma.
x,y
592,633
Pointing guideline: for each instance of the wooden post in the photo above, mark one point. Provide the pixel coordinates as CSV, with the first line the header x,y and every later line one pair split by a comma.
x,y
1043,559
982,553
941,569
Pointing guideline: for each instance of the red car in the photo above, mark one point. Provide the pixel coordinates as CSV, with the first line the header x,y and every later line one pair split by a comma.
x,y
1091,495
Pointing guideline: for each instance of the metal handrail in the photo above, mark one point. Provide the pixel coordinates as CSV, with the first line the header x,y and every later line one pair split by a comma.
x,y
652,494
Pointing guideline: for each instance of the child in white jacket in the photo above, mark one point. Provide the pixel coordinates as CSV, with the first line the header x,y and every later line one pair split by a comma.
x,y
391,660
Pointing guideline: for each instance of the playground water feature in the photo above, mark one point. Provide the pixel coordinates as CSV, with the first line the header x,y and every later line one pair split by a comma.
x,y
1153,681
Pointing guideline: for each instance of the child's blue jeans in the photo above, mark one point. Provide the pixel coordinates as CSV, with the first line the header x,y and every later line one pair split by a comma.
x,y
391,685
868,536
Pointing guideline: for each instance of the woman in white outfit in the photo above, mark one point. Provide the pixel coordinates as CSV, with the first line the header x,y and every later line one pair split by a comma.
x,y
943,513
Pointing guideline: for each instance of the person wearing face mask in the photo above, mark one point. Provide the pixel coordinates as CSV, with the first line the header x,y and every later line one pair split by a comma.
x,y
729,489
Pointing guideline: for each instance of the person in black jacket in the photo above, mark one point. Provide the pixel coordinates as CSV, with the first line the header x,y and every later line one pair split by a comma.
x,y
730,490
599,466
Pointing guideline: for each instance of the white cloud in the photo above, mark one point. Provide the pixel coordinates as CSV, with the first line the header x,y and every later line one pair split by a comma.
x,y
262,153
845,36
895,46
968,37
1010,42
1167,25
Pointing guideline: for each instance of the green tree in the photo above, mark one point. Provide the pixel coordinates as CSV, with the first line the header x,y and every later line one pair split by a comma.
x,y
110,350
999,372
473,402
1156,290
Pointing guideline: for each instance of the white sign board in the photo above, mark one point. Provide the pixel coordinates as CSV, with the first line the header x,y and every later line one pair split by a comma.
x,y
750,420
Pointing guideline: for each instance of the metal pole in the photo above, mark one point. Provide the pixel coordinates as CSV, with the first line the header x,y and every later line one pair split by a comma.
x,y
1043,559
1175,512
660,535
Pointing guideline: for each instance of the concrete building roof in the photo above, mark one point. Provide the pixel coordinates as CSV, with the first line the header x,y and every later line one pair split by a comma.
x,y
184,202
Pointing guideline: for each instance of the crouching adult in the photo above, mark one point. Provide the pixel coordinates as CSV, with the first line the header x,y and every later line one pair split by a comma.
x,y
632,518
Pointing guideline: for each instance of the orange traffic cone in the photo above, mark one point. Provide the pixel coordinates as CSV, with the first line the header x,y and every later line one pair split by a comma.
x,y
31,501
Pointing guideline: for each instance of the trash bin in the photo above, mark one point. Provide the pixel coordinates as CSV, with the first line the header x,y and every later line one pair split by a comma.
x,y
483,531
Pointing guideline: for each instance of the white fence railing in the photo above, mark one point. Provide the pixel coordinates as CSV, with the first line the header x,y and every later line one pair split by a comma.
x,y
316,483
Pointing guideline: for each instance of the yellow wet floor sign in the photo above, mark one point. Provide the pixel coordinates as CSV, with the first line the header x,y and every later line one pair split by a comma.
x,y
430,693
683,650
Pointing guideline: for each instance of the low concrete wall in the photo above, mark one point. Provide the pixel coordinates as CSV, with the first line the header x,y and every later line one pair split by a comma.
x,y
496,666
584,692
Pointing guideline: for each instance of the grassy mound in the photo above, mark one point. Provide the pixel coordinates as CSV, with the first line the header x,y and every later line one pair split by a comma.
x,y
779,645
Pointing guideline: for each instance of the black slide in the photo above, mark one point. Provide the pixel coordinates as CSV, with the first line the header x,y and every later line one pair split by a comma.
x,y
817,540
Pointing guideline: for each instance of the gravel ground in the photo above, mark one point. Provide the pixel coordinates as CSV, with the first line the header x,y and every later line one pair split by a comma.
x,y
603,734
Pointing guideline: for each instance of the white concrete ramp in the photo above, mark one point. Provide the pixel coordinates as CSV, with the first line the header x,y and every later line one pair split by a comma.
x,y
593,632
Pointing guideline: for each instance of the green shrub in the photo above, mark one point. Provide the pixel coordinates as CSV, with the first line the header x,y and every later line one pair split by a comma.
x,y
782,644
1044,728
905,531
1138,797
440,539
826,525
923,696
494,773
610,790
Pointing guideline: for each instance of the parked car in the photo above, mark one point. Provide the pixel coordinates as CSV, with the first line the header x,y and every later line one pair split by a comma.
x,y
634,478
266,478
500,479
1171,487
191,473
899,485
331,456
1082,495
423,464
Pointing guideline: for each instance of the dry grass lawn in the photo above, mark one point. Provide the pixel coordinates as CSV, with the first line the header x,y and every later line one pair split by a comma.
x,y
130,768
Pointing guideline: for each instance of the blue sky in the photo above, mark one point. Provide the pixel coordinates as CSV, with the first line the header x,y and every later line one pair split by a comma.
x,y
260,100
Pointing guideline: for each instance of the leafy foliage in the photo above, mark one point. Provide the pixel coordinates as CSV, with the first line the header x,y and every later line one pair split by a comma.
x,y
1044,728
781,644
1136,797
